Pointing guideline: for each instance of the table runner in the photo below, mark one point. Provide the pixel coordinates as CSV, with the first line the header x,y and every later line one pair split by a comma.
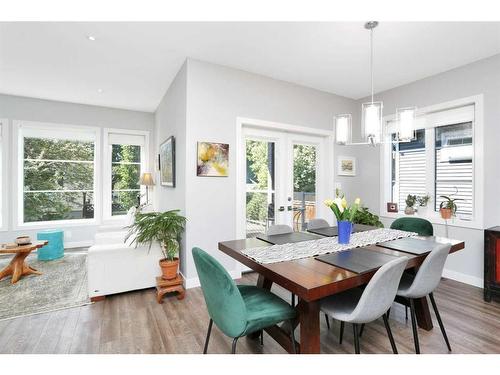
x,y
306,249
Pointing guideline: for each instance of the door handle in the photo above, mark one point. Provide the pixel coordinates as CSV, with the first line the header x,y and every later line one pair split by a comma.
x,y
289,208
281,208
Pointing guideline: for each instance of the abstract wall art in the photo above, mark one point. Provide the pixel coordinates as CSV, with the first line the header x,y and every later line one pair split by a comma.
x,y
213,159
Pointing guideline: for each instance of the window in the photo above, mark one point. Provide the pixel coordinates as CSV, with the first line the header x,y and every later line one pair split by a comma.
x,y
408,169
126,160
440,161
125,174
57,174
454,172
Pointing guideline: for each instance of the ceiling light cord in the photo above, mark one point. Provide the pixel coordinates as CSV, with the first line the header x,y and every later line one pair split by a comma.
x,y
371,60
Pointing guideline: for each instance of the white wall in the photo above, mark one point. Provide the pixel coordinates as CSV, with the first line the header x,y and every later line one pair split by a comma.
x,y
30,109
482,77
170,119
216,96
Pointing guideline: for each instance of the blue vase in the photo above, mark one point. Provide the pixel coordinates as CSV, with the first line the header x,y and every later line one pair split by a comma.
x,y
344,229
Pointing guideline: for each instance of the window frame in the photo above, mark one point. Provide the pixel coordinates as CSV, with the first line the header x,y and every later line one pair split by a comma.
x,y
4,170
478,163
18,173
107,170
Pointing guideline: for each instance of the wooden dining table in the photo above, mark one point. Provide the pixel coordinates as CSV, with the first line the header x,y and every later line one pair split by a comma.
x,y
311,280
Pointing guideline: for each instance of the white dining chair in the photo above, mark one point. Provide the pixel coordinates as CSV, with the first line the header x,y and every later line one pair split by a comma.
x,y
359,306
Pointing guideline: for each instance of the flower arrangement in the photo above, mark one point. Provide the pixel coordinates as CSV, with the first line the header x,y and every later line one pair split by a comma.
x,y
345,215
341,210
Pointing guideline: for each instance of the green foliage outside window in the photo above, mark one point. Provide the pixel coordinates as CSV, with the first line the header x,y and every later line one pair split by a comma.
x,y
126,170
51,168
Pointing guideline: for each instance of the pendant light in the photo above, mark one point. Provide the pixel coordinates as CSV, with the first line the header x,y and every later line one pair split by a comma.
x,y
371,115
405,118
371,125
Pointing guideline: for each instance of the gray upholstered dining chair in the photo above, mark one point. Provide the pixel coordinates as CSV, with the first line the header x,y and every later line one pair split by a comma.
x,y
279,229
359,306
422,285
317,223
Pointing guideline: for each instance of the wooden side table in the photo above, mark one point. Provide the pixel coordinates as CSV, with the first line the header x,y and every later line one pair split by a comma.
x,y
18,267
167,286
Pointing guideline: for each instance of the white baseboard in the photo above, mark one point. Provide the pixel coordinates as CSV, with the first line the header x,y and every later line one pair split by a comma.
x,y
194,282
463,278
72,245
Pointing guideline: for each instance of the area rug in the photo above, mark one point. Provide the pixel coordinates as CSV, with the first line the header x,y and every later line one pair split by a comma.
x,y
63,284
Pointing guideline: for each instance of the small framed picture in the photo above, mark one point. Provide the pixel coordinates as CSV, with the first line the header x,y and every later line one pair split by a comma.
x,y
392,207
346,166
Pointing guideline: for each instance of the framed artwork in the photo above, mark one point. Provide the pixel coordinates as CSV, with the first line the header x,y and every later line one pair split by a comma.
x,y
212,159
167,162
346,166
392,207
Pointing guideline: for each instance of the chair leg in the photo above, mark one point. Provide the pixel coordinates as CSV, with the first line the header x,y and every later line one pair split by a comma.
x,y
356,338
233,348
361,329
327,321
208,336
342,324
292,337
389,333
414,326
441,325
293,300
262,337
406,312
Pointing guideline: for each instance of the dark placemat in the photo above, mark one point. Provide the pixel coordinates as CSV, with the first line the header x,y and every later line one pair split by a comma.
x,y
411,245
333,231
281,239
357,260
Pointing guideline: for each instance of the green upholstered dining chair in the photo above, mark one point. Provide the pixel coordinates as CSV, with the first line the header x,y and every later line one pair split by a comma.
x,y
238,310
414,224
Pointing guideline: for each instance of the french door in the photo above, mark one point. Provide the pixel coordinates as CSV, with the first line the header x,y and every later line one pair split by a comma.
x,y
285,178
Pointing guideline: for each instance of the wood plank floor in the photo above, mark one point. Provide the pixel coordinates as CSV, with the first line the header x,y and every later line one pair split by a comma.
x,y
134,323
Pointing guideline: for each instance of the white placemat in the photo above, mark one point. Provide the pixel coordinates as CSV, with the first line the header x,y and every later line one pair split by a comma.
x,y
306,249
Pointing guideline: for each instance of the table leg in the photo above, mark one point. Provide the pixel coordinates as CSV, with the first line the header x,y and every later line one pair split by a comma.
x,y
309,327
423,313
18,268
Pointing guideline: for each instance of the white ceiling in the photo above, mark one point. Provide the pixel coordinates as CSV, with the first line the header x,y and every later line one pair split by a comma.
x,y
134,63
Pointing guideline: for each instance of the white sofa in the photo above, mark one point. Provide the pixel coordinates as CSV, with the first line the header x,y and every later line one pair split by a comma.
x,y
115,266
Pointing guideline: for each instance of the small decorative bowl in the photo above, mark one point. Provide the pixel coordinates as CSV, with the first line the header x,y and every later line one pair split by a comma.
x,y
23,240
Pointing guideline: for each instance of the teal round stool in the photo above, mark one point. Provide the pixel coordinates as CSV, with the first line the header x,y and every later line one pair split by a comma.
x,y
55,248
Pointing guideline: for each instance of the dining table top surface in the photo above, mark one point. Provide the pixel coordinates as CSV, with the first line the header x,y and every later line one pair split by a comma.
x,y
311,279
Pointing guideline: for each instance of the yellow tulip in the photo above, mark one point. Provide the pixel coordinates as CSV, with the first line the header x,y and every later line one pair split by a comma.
x,y
328,202
344,203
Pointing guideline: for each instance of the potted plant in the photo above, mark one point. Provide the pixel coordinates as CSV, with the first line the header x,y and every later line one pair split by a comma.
x,y
345,216
365,217
422,204
448,207
165,228
410,202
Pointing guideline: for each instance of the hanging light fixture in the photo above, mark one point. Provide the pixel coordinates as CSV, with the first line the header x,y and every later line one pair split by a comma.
x,y
343,126
405,118
371,129
371,115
